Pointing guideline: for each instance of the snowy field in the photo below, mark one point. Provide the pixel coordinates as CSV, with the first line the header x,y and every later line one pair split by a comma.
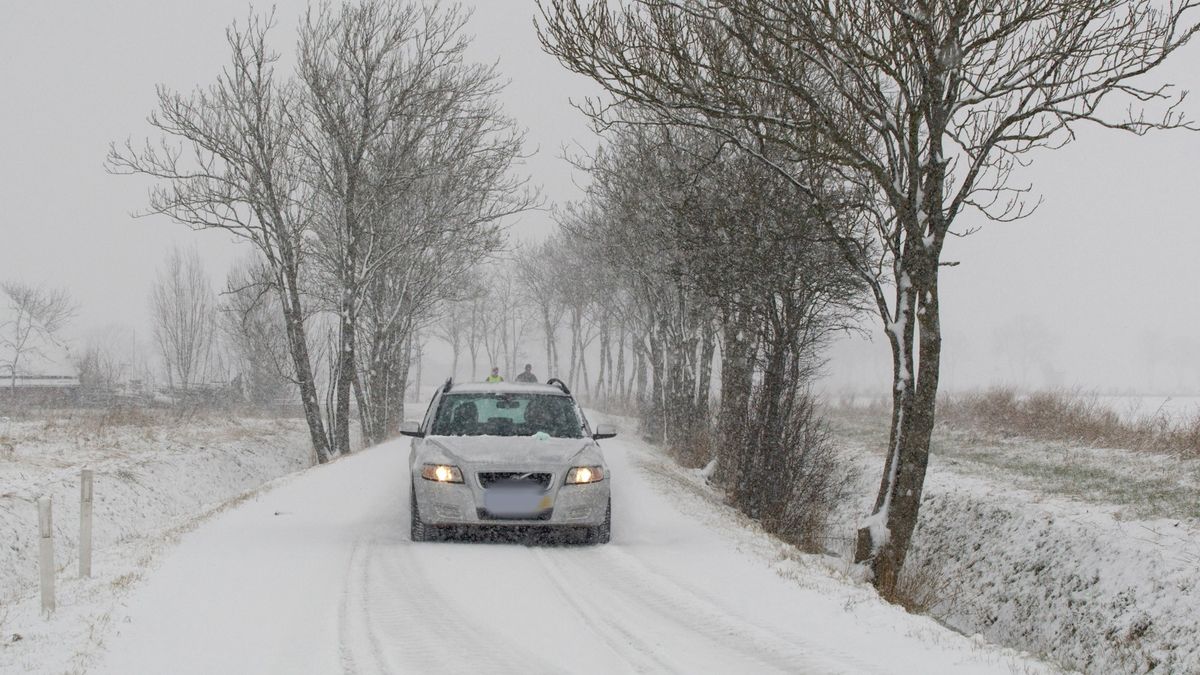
x,y
317,574
1085,555
1169,407
156,475
1131,408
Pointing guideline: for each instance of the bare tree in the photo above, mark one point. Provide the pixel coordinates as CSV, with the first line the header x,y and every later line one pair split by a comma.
x,y
477,326
514,319
109,358
35,316
183,313
366,67
450,327
458,323
442,224
920,110
413,157
226,160
540,283
253,324
494,328
642,189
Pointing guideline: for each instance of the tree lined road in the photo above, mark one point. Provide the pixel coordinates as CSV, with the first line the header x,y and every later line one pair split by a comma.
x,y
318,576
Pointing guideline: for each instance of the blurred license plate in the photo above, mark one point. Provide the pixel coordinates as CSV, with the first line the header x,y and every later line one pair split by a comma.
x,y
513,501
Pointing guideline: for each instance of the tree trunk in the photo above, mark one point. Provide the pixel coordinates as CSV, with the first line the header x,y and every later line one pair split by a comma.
x,y
622,392
640,375
503,361
583,371
345,378
884,542
293,320
737,377
599,392
575,340
416,337
761,471
365,416
514,366
608,361
548,329
655,419
704,383
555,369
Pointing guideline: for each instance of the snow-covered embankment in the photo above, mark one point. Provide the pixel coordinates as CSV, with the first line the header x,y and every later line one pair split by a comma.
x,y
155,475
1063,579
1087,556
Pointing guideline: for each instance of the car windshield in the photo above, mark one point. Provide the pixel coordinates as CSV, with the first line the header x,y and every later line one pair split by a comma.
x,y
507,414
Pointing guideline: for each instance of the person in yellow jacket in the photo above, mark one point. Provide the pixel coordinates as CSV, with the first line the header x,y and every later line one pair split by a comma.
x,y
495,376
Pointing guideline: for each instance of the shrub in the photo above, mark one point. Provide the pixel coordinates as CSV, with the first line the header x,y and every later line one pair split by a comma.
x,y
789,476
1071,417
697,448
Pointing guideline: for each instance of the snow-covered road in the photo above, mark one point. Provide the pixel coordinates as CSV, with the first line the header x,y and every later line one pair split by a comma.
x,y
318,576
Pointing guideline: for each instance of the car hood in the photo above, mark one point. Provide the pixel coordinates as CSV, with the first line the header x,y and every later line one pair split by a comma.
x,y
502,450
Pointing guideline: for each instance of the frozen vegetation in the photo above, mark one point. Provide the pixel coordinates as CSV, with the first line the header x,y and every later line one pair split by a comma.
x,y
765,179
687,585
157,475
1085,555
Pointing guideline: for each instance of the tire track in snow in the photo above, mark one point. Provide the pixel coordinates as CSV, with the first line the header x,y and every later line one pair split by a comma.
x,y
713,627
616,637
637,568
692,626
423,630
642,578
353,625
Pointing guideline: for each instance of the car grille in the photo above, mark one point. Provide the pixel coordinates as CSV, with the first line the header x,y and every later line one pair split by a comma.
x,y
490,478
484,514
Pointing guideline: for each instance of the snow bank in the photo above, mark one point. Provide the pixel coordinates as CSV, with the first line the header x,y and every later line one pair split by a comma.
x,y
150,475
155,477
1060,578
687,585
1086,556
833,590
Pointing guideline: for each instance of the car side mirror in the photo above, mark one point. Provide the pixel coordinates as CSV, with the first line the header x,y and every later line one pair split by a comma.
x,y
411,428
604,431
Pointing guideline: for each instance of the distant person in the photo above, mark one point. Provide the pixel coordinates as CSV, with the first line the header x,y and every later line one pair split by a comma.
x,y
528,375
495,376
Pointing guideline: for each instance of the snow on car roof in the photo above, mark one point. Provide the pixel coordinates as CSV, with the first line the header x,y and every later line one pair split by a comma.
x,y
505,388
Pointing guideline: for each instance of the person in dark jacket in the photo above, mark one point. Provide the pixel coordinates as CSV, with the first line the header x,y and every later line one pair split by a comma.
x,y
528,375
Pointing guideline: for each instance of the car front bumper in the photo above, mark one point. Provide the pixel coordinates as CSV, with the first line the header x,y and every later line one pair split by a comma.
x,y
465,503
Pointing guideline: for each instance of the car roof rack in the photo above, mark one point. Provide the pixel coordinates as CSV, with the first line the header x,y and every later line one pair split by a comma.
x,y
559,383
449,383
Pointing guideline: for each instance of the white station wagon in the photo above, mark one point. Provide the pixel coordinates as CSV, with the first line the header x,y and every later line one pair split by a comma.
x,y
508,454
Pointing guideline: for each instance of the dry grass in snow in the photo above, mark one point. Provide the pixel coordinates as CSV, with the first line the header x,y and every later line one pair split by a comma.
x,y
1071,417
1037,540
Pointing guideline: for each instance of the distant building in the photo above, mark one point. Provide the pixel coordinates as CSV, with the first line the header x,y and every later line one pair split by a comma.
x,y
44,374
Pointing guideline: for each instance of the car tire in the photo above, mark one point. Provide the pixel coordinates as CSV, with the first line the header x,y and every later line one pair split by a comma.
x,y
418,530
603,532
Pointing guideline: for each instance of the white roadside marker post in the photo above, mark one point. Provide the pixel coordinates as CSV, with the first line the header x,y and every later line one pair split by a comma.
x,y
85,523
47,554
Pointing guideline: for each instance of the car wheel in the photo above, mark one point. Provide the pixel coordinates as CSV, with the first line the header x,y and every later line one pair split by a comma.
x,y
418,530
602,533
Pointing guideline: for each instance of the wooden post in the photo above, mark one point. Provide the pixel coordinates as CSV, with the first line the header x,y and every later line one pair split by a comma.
x,y
85,523
46,531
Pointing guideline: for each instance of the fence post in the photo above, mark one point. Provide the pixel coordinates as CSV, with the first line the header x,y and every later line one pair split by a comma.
x,y
85,523
46,531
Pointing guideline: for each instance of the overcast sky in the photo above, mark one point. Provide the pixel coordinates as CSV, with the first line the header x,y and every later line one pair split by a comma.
x,y
1098,289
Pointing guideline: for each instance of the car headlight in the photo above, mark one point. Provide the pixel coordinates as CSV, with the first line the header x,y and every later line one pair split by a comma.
x,y
442,473
585,474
